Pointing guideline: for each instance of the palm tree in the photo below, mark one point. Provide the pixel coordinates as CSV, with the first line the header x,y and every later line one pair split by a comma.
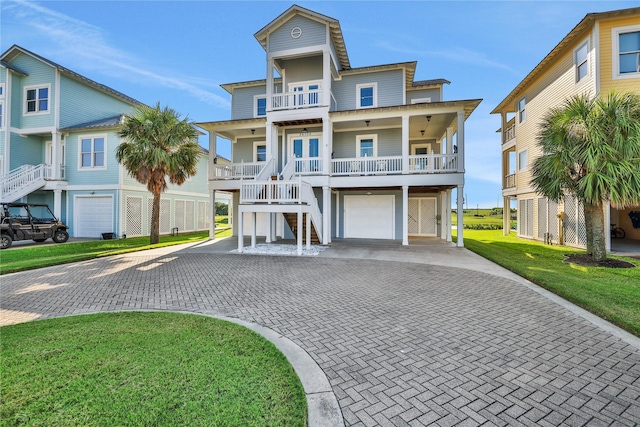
x,y
158,145
591,148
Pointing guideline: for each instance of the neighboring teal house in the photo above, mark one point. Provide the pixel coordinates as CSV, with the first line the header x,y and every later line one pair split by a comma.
x,y
58,136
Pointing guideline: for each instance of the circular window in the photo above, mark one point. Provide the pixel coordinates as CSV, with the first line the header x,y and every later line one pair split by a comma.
x,y
296,32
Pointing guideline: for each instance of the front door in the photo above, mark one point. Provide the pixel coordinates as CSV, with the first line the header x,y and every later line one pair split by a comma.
x,y
306,148
423,216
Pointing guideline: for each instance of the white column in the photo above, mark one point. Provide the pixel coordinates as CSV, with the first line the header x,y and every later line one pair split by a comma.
x,y
269,228
55,154
308,236
212,215
460,212
326,78
443,212
327,145
405,144
270,83
449,225
57,203
405,215
460,141
213,147
299,230
506,216
254,226
326,215
240,223
269,141
450,140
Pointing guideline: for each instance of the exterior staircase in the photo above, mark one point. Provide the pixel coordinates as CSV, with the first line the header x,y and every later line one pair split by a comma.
x,y
22,181
292,220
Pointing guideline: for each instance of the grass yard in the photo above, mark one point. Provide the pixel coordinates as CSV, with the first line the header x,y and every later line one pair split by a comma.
x,y
611,293
38,256
143,369
476,218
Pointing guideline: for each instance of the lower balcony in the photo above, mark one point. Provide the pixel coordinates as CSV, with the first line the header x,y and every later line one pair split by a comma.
x,y
356,166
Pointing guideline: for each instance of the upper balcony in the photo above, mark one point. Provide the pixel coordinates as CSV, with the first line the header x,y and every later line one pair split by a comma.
x,y
509,133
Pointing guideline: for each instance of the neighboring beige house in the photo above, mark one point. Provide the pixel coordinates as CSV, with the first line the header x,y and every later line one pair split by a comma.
x,y
601,53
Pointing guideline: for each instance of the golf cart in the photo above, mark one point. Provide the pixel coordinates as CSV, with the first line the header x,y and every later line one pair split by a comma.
x,y
29,221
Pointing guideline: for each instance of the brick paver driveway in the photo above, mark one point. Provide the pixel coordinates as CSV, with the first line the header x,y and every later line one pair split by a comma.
x,y
401,343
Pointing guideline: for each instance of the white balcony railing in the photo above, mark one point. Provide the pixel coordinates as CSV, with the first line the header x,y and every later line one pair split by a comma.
x,y
433,163
298,99
510,181
270,192
308,166
238,170
367,166
508,134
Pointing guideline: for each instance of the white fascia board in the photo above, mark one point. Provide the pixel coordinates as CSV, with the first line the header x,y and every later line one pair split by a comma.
x,y
32,131
93,187
300,51
440,179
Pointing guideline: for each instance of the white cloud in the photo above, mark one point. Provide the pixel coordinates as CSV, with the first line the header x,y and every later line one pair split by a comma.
x,y
88,44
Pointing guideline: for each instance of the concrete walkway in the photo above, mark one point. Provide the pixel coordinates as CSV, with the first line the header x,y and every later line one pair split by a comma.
x,y
422,335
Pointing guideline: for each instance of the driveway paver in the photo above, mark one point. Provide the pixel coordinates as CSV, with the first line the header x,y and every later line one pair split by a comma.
x,y
401,343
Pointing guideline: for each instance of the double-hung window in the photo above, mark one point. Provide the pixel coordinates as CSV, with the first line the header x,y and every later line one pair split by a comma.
x,y
367,146
581,60
626,52
522,104
523,159
260,106
367,95
36,99
259,151
92,152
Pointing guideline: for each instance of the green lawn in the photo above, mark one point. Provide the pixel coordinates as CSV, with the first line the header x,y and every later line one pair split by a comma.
x,y
38,256
613,294
144,369
475,218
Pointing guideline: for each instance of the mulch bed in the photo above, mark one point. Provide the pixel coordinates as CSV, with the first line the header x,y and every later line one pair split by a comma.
x,y
587,261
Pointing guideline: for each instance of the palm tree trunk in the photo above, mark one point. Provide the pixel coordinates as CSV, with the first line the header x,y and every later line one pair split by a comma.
x,y
596,214
155,219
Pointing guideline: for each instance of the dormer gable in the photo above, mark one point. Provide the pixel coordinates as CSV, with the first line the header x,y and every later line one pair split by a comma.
x,y
300,28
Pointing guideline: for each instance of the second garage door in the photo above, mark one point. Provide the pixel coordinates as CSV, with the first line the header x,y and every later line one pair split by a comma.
x,y
369,217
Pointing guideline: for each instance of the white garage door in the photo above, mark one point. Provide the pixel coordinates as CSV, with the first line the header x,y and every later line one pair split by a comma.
x,y
369,217
93,216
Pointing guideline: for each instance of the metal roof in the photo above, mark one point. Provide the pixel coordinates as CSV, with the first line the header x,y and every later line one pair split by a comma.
x,y
109,122
15,49
585,24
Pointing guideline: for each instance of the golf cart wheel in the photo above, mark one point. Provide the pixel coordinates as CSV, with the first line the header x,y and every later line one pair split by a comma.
x,y
60,236
39,240
5,241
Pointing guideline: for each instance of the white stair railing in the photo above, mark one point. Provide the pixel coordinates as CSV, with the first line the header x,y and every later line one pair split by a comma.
x,y
288,169
21,181
309,198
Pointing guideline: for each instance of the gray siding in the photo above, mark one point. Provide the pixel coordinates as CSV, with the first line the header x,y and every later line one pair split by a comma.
x,y
303,69
242,101
243,150
81,104
391,86
313,34
389,143
434,94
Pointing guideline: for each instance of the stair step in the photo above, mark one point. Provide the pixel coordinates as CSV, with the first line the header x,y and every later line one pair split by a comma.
x,y
292,220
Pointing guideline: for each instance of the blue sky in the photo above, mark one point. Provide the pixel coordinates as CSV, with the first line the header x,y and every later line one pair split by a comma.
x,y
179,52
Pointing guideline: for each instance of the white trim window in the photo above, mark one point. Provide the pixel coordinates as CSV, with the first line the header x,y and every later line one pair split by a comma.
x,y
367,95
259,106
92,152
523,159
626,52
522,105
581,61
367,146
259,151
36,99
1,90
